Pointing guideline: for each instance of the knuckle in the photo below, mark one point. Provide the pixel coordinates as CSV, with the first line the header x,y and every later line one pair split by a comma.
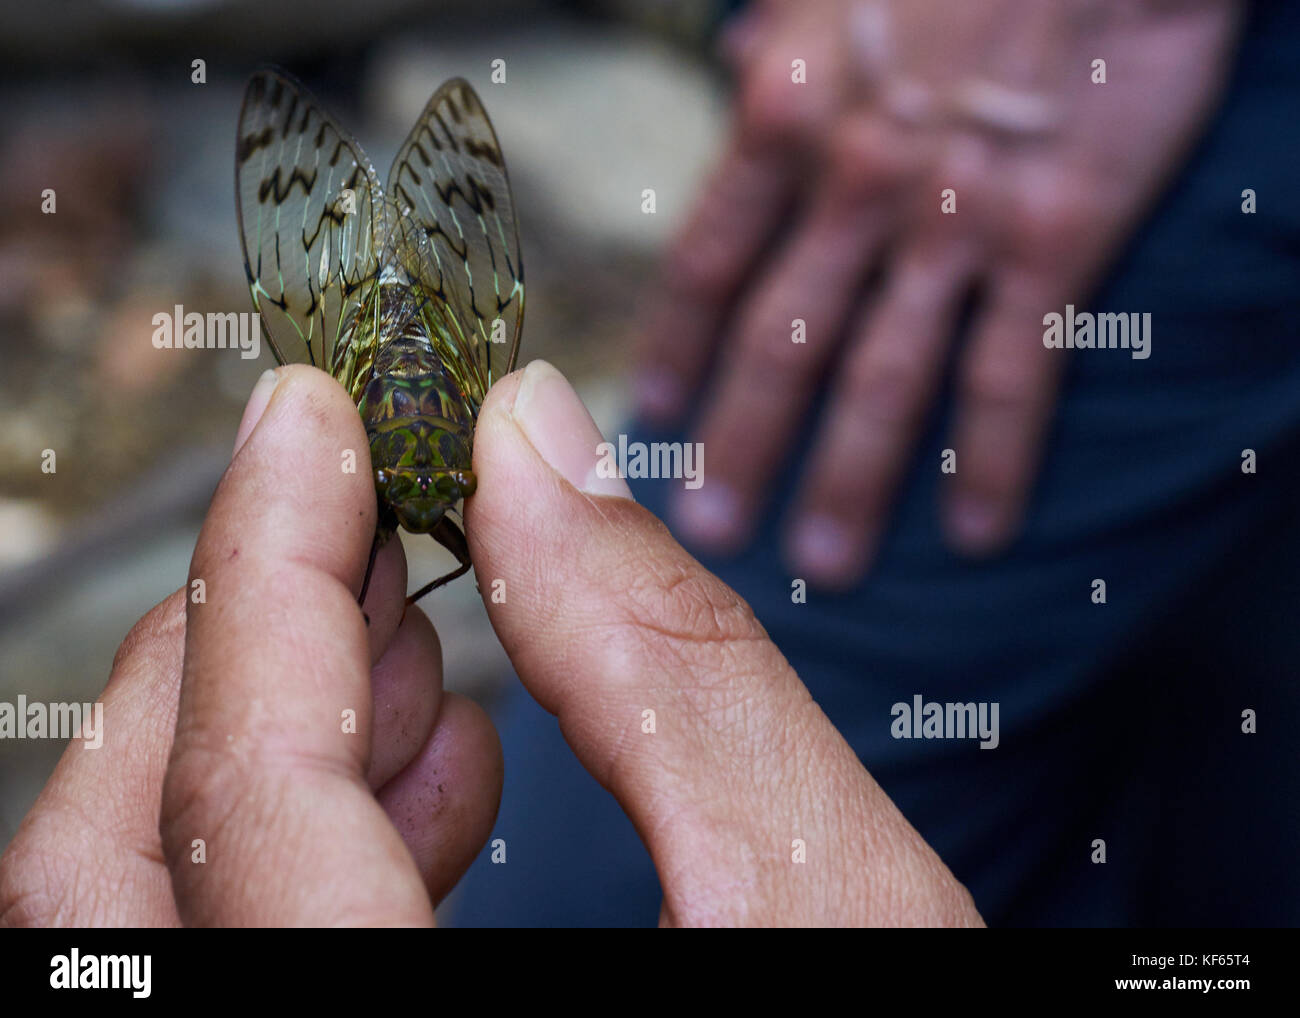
x,y
997,383
203,785
678,599
692,625
209,785
39,875
668,614
1041,230
775,111
667,624
966,164
27,896
239,770
884,387
861,163
29,907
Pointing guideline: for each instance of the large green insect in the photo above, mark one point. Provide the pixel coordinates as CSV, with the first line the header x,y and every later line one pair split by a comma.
x,y
413,298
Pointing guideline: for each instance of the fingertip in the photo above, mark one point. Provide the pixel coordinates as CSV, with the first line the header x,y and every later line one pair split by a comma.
x,y
712,518
556,423
977,525
304,396
300,488
258,400
776,110
827,552
501,397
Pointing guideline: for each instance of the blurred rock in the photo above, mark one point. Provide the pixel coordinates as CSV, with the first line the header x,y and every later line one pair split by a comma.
x,y
26,531
587,120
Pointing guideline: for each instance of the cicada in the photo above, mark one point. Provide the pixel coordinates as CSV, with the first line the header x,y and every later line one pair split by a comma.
x,y
412,297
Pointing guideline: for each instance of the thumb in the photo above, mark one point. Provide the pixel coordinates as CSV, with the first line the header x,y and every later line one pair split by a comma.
x,y
670,693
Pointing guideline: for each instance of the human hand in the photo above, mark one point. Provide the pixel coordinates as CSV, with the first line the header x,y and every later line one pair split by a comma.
x,y
604,617
904,99
225,728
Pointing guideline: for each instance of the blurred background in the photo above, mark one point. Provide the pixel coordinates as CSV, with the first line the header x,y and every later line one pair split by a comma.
x,y
602,99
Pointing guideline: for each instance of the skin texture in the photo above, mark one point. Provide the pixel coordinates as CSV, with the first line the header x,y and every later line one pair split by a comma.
x,y
826,206
223,719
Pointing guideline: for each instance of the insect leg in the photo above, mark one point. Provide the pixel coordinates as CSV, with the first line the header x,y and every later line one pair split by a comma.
x,y
450,536
370,568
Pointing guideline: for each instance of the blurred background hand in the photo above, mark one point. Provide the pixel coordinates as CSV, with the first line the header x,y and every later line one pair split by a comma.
x,y
939,160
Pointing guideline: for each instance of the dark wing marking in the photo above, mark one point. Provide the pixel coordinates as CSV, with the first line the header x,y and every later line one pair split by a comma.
x,y
449,183
312,222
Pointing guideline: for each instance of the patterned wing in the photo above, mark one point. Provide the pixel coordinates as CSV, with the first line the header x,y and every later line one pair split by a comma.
x,y
313,223
459,239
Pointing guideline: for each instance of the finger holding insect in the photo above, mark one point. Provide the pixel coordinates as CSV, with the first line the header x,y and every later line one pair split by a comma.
x,y
140,703
273,734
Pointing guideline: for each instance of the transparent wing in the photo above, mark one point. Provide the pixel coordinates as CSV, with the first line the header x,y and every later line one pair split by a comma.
x,y
458,235
312,219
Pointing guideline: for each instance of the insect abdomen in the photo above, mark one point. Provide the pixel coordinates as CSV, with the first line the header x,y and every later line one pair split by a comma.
x,y
415,404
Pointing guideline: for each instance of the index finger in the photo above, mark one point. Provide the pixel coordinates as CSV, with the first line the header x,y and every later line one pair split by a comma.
x,y
273,729
1008,393
730,223
780,122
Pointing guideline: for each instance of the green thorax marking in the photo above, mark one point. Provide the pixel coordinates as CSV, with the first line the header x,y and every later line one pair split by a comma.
x,y
415,413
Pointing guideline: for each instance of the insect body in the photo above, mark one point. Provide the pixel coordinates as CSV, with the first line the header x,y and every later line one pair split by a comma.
x,y
412,299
